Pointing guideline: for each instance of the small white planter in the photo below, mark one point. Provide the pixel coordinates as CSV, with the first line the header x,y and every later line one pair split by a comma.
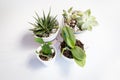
x,y
51,37
50,61
68,59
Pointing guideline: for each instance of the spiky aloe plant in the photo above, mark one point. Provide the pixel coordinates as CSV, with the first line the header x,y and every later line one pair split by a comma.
x,y
45,25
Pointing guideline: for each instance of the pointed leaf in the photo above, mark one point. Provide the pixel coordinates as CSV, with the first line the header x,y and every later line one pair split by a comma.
x,y
68,36
69,10
65,15
39,40
49,43
81,63
87,12
78,53
46,49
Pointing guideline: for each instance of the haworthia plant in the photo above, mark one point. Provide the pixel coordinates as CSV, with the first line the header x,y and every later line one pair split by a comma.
x,y
43,25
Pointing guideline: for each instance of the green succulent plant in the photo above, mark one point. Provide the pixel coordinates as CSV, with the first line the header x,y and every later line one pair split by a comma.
x,y
46,49
83,20
43,26
78,53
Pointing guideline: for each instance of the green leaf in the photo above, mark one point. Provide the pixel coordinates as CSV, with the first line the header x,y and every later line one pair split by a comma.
x,y
36,15
74,16
85,25
69,10
68,36
46,49
65,15
49,43
92,21
38,32
63,51
39,40
48,16
38,21
37,52
78,53
89,23
87,12
81,63
89,28
80,13
79,56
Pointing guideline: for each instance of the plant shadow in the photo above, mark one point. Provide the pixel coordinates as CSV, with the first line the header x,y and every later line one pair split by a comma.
x,y
64,65
27,41
34,63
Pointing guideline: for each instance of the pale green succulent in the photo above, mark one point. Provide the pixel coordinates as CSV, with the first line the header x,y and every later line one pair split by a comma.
x,y
84,20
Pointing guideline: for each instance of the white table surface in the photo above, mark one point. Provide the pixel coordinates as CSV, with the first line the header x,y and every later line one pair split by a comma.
x,y
17,57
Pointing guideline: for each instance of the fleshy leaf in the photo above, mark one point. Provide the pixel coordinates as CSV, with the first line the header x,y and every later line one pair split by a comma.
x,y
65,15
80,13
49,43
87,12
78,53
69,10
39,40
74,16
68,36
80,62
89,23
46,49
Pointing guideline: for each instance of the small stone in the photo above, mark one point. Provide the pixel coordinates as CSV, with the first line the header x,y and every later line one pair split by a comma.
x,y
72,25
76,29
53,30
51,34
73,21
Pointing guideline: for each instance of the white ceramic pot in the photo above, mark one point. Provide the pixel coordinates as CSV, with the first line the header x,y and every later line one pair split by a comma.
x,y
51,37
50,61
68,59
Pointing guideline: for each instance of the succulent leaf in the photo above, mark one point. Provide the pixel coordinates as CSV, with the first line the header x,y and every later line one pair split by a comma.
x,y
68,36
81,63
44,25
46,49
78,53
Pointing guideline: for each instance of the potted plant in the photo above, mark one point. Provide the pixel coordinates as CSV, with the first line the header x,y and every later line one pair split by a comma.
x,y
72,48
79,21
45,27
46,53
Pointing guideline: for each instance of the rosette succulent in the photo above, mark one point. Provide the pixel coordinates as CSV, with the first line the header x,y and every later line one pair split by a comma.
x,y
81,20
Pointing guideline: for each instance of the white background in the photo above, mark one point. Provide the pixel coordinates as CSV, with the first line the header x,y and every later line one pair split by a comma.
x,y
17,57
